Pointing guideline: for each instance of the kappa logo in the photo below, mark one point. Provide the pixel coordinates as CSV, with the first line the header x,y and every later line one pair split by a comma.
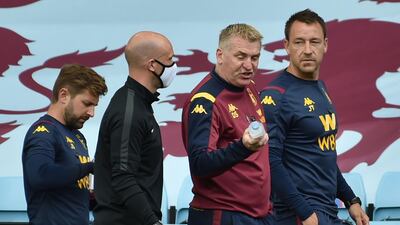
x,y
268,100
199,109
310,103
41,128
70,142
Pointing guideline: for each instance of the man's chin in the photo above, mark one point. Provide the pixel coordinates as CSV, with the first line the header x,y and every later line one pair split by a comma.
x,y
308,69
75,126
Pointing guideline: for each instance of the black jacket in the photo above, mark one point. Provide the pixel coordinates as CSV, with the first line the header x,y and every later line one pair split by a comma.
x,y
129,160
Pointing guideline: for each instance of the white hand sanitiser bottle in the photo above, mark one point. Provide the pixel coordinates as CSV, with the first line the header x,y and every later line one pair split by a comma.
x,y
256,129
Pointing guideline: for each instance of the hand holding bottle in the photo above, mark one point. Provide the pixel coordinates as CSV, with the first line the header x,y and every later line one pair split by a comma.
x,y
256,129
255,136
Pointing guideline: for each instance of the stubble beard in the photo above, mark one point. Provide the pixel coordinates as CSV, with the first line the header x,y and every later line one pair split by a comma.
x,y
71,121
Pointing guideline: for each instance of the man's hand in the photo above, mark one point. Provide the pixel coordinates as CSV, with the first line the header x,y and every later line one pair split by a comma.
x,y
253,144
311,220
358,215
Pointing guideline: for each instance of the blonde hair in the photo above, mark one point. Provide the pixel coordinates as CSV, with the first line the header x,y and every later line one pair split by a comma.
x,y
244,31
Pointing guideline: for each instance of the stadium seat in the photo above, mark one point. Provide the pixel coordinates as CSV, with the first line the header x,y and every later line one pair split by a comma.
x,y
184,198
383,223
387,200
355,181
164,207
12,201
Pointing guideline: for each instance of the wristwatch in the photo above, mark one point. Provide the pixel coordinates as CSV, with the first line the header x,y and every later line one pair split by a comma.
x,y
353,201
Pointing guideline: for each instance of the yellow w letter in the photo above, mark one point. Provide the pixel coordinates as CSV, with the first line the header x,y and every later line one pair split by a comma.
x,y
329,121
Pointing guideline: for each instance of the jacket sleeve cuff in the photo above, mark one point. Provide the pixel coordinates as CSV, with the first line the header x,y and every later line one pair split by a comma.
x,y
349,195
304,212
242,150
141,210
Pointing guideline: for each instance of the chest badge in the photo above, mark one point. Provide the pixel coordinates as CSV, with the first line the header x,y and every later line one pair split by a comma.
x,y
308,102
70,142
82,141
233,110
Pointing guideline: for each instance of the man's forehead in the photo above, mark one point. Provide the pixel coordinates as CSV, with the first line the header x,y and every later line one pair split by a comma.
x,y
245,47
87,95
246,51
299,28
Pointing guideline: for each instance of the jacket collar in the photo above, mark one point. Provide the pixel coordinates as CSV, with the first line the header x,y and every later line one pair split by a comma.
x,y
227,85
141,90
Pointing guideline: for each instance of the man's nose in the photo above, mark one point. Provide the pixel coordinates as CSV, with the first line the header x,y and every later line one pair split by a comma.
x,y
307,48
90,112
247,64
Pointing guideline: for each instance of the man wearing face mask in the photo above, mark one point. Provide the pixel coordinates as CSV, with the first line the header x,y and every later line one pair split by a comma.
x,y
129,158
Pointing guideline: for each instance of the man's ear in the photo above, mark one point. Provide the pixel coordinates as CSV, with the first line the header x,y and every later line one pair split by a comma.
x,y
326,45
150,65
64,95
219,56
286,44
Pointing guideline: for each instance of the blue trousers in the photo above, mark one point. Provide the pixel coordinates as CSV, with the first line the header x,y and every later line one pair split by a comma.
x,y
223,217
323,219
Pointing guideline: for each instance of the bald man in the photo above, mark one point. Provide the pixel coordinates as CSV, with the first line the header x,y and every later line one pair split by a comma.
x,y
129,156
